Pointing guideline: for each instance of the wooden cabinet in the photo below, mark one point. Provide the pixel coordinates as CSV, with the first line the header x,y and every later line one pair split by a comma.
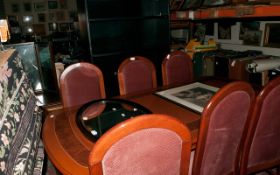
x,y
116,29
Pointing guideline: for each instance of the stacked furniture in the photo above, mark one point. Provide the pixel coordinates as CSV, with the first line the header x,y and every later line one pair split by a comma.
x,y
225,63
20,119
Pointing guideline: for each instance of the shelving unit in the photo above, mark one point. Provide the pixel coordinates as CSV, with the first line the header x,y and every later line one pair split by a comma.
x,y
113,30
238,11
244,11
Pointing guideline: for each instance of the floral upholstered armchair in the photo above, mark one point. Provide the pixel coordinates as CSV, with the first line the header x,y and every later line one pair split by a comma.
x,y
21,149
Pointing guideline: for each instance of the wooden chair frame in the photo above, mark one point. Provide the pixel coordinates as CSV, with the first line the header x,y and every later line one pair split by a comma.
x,y
205,120
85,66
174,54
121,78
139,123
249,135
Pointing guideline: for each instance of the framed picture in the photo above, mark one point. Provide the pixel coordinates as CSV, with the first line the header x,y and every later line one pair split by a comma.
x,y
194,96
71,26
272,35
39,29
209,28
63,27
199,32
63,4
15,8
28,29
27,7
248,26
252,37
39,6
51,16
60,16
27,51
73,16
41,17
52,4
53,26
12,18
27,18
224,31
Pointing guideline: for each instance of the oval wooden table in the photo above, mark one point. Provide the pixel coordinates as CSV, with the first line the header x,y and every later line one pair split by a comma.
x,y
68,148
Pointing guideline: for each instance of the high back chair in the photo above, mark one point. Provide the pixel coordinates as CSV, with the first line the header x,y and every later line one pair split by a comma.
x,y
177,68
221,127
136,74
262,144
81,83
145,145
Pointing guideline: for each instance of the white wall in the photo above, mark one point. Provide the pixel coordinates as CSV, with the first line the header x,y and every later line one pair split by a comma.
x,y
235,44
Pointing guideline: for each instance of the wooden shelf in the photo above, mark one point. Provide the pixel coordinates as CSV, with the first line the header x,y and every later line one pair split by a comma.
x,y
179,25
239,11
179,15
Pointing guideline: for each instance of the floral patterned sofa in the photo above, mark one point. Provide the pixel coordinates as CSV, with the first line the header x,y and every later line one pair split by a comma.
x,y
21,149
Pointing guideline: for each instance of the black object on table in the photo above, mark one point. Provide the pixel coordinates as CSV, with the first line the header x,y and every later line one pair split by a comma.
x,y
98,116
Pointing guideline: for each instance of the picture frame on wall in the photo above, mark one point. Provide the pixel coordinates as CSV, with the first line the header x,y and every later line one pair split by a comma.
x,y
199,32
272,35
51,16
15,8
224,31
12,18
39,6
63,4
248,26
28,29
39,29
41,17
60,16
27,7
27,19
71,26
53,26
52,4
252,37
73,15
64,27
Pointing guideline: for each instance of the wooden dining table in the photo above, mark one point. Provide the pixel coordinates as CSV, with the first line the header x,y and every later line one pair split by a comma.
x,y
68,148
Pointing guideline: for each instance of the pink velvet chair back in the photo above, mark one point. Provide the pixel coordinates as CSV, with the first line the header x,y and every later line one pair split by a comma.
x,y
81,83
221,128
262,145
177,68
150,144
136,74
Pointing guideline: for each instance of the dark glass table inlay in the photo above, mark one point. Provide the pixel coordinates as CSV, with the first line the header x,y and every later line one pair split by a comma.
x,y
98,116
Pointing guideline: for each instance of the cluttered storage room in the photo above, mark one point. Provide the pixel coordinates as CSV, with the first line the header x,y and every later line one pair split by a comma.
x,y
139,87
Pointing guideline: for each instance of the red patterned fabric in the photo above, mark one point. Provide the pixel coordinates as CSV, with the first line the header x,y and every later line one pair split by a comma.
x,y
151,151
